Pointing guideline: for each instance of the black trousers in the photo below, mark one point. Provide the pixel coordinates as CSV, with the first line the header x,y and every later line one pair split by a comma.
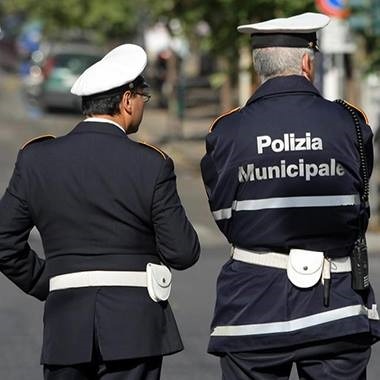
x,y
330,360
131,369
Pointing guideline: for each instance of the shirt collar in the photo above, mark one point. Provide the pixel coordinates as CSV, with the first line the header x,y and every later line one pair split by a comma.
x,y
104,120
282,85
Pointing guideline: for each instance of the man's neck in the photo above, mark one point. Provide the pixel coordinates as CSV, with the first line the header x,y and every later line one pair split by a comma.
x,y
112,119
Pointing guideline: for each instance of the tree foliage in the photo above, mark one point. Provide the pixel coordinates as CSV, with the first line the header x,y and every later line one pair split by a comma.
x,y
118,19
223,17
114,19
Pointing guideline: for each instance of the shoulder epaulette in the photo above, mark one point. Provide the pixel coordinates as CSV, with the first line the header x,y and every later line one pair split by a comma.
x,y
221,116
163,154
37,139
360,111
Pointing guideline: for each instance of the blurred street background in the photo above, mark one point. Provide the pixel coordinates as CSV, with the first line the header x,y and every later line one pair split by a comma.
x,y
198,68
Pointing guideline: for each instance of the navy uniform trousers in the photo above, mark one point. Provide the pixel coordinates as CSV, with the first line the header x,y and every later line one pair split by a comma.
x,y
313,362
116,370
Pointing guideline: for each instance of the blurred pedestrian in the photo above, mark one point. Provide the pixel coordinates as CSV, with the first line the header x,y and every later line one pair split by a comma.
x,y
108,213
287,181
161,76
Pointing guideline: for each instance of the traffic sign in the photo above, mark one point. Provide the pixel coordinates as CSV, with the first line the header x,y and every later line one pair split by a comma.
x,y
334,8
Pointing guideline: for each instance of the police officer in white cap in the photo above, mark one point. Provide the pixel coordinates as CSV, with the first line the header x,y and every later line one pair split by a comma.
x,y
111,224
287,181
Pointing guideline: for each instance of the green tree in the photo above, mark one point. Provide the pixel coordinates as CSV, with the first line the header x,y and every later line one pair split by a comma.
x,y
120,19
223,17
115,19
365,21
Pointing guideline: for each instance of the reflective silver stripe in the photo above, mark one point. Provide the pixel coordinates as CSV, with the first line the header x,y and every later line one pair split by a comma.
x,y
224,213
296,324
287,202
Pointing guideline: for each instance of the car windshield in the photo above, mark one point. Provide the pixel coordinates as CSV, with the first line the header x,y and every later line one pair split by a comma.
x,y
76,63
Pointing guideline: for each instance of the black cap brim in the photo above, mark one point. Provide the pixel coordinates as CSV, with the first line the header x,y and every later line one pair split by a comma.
x,y
295,40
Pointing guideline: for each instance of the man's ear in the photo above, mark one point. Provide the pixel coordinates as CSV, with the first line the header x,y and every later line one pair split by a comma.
x,y
126,102
307,67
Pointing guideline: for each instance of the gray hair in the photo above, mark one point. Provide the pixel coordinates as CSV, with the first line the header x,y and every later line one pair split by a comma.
x,y
279,61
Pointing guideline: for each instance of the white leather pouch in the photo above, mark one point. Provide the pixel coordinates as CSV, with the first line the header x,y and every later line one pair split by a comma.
x,y
159,281
304,267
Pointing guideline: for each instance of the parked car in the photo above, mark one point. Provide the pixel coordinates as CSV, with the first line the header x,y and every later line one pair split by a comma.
x,y
60,69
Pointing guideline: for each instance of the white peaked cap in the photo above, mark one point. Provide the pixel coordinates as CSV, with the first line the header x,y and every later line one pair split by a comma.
x,y
120,66
294,32
303,23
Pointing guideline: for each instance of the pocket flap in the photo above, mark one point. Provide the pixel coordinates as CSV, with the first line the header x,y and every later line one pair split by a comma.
x,y
161,275
305,267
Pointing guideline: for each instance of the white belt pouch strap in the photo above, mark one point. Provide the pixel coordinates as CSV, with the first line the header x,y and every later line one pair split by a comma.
x,y
159,282
304,268
157,279
97,278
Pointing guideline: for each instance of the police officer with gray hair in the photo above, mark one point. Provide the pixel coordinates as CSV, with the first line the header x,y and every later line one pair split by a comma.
x,y
287,182
111,224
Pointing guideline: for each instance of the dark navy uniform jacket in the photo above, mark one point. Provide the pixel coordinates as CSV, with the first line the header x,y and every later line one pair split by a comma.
x,y
100,202
282,173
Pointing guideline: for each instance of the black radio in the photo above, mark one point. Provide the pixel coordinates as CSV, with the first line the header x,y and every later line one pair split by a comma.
x,y
359,265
